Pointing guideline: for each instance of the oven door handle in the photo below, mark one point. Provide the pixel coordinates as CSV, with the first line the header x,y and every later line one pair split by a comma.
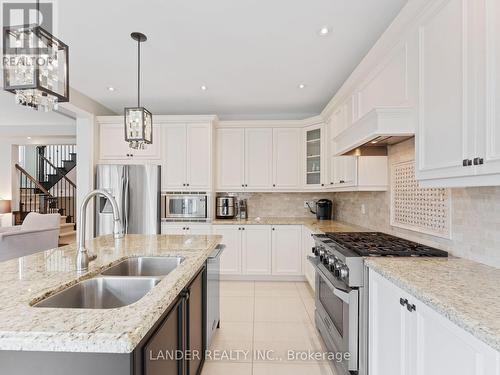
x,y
343,293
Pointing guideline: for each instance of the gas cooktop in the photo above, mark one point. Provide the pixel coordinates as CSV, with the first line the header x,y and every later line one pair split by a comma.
x,y
380,244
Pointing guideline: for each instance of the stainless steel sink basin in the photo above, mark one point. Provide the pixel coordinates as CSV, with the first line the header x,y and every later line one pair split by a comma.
x,y
145,266
101,293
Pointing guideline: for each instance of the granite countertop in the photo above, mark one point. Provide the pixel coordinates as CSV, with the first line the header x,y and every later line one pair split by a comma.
x,y
464,291
316,226
27,280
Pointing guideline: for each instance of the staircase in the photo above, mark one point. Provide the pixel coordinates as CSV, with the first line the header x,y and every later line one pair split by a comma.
x,y
50,191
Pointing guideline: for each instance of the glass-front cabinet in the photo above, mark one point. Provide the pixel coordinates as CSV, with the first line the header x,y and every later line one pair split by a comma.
x,y
314,151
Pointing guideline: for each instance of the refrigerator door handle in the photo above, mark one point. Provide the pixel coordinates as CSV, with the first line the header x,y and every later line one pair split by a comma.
x,y
126,201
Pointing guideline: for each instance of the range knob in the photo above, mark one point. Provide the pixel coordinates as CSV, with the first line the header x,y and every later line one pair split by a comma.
x,y
321,254
344,272
313,250
331,263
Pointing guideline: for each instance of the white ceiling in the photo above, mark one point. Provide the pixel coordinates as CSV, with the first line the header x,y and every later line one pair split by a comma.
x,y
251,54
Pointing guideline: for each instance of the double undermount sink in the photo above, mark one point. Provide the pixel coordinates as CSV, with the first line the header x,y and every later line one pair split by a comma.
x,y
118,286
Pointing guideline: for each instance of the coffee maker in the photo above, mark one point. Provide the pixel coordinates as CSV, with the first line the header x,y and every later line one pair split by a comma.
x,y
323,209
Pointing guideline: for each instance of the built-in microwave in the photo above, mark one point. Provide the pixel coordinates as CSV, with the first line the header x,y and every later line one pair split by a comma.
x,y
184,206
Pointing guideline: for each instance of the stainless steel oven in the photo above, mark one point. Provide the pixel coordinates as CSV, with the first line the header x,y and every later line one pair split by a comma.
x,y
184,206
337,316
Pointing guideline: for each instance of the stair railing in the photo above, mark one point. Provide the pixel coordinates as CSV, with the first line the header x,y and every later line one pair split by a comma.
x,y
33,197
64,190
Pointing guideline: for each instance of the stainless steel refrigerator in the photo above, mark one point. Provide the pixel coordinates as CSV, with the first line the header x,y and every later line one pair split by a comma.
x,y
136,189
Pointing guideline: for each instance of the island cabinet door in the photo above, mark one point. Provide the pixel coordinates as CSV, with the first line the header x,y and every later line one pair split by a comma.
x,y
195,326
159,354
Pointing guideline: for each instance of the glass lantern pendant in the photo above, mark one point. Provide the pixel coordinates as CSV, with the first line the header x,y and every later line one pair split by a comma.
x,y
35,66
138,120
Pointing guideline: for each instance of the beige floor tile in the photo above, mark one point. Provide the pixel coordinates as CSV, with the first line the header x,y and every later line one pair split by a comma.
x,y
291,369
234,330
305,290
271,309
284,331
237,288
237,309
310,307
276,289
226,368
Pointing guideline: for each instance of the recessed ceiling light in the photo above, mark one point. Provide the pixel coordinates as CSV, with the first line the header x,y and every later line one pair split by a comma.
x,y
204,88
301,86
374,142
28,137
324,31
111,88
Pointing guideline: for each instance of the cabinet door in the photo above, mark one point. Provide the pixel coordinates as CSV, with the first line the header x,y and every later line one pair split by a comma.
x,y
443,348
258,159
173,228
256,250
308,244
166,340
489,138
199,156
287,250
174,164
388,328
112,145
195,325
230,262
286,158
314,150
345,171
230,159
445,134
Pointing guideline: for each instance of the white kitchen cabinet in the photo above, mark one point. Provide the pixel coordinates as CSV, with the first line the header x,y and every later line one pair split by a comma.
x,y
344,171
287,250
200,229
112,145
314,163
258,158
359,173
256,249
286,158
230,146
422,341
445,136
187,161
177,228
230,263
308,244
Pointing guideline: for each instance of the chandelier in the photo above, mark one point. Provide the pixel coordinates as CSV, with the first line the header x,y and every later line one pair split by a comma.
x,y
138,120
36,66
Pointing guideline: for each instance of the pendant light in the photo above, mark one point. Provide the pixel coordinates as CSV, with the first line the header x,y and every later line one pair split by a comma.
x,y
36,65
138,120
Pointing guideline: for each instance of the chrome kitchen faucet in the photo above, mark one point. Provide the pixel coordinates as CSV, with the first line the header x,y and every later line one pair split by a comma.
x,y
82,256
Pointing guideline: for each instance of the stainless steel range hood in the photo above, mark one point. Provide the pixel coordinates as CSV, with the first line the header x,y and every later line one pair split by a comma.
x,y
379,127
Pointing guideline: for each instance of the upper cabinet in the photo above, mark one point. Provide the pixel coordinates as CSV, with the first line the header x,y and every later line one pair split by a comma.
x,y
187,161
368,173
458,141
230,148
314,140
287,158
113,148
258,159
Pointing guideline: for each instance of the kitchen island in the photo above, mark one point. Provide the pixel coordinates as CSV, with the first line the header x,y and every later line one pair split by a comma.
x,y
98,336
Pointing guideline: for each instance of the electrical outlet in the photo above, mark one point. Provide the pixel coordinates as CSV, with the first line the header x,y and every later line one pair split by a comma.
x,y
305,204
311,204
363,209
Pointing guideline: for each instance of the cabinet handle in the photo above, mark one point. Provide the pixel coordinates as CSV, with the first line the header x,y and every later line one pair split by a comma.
x,y
331,183
187,184
185,294
478,161
322,184
411,307
467,162
243,228
464,162
273,228
242,185
403,301
239,228
274,185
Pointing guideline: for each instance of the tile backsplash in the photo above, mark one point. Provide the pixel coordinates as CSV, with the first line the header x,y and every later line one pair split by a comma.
x,y
280,204
475,222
